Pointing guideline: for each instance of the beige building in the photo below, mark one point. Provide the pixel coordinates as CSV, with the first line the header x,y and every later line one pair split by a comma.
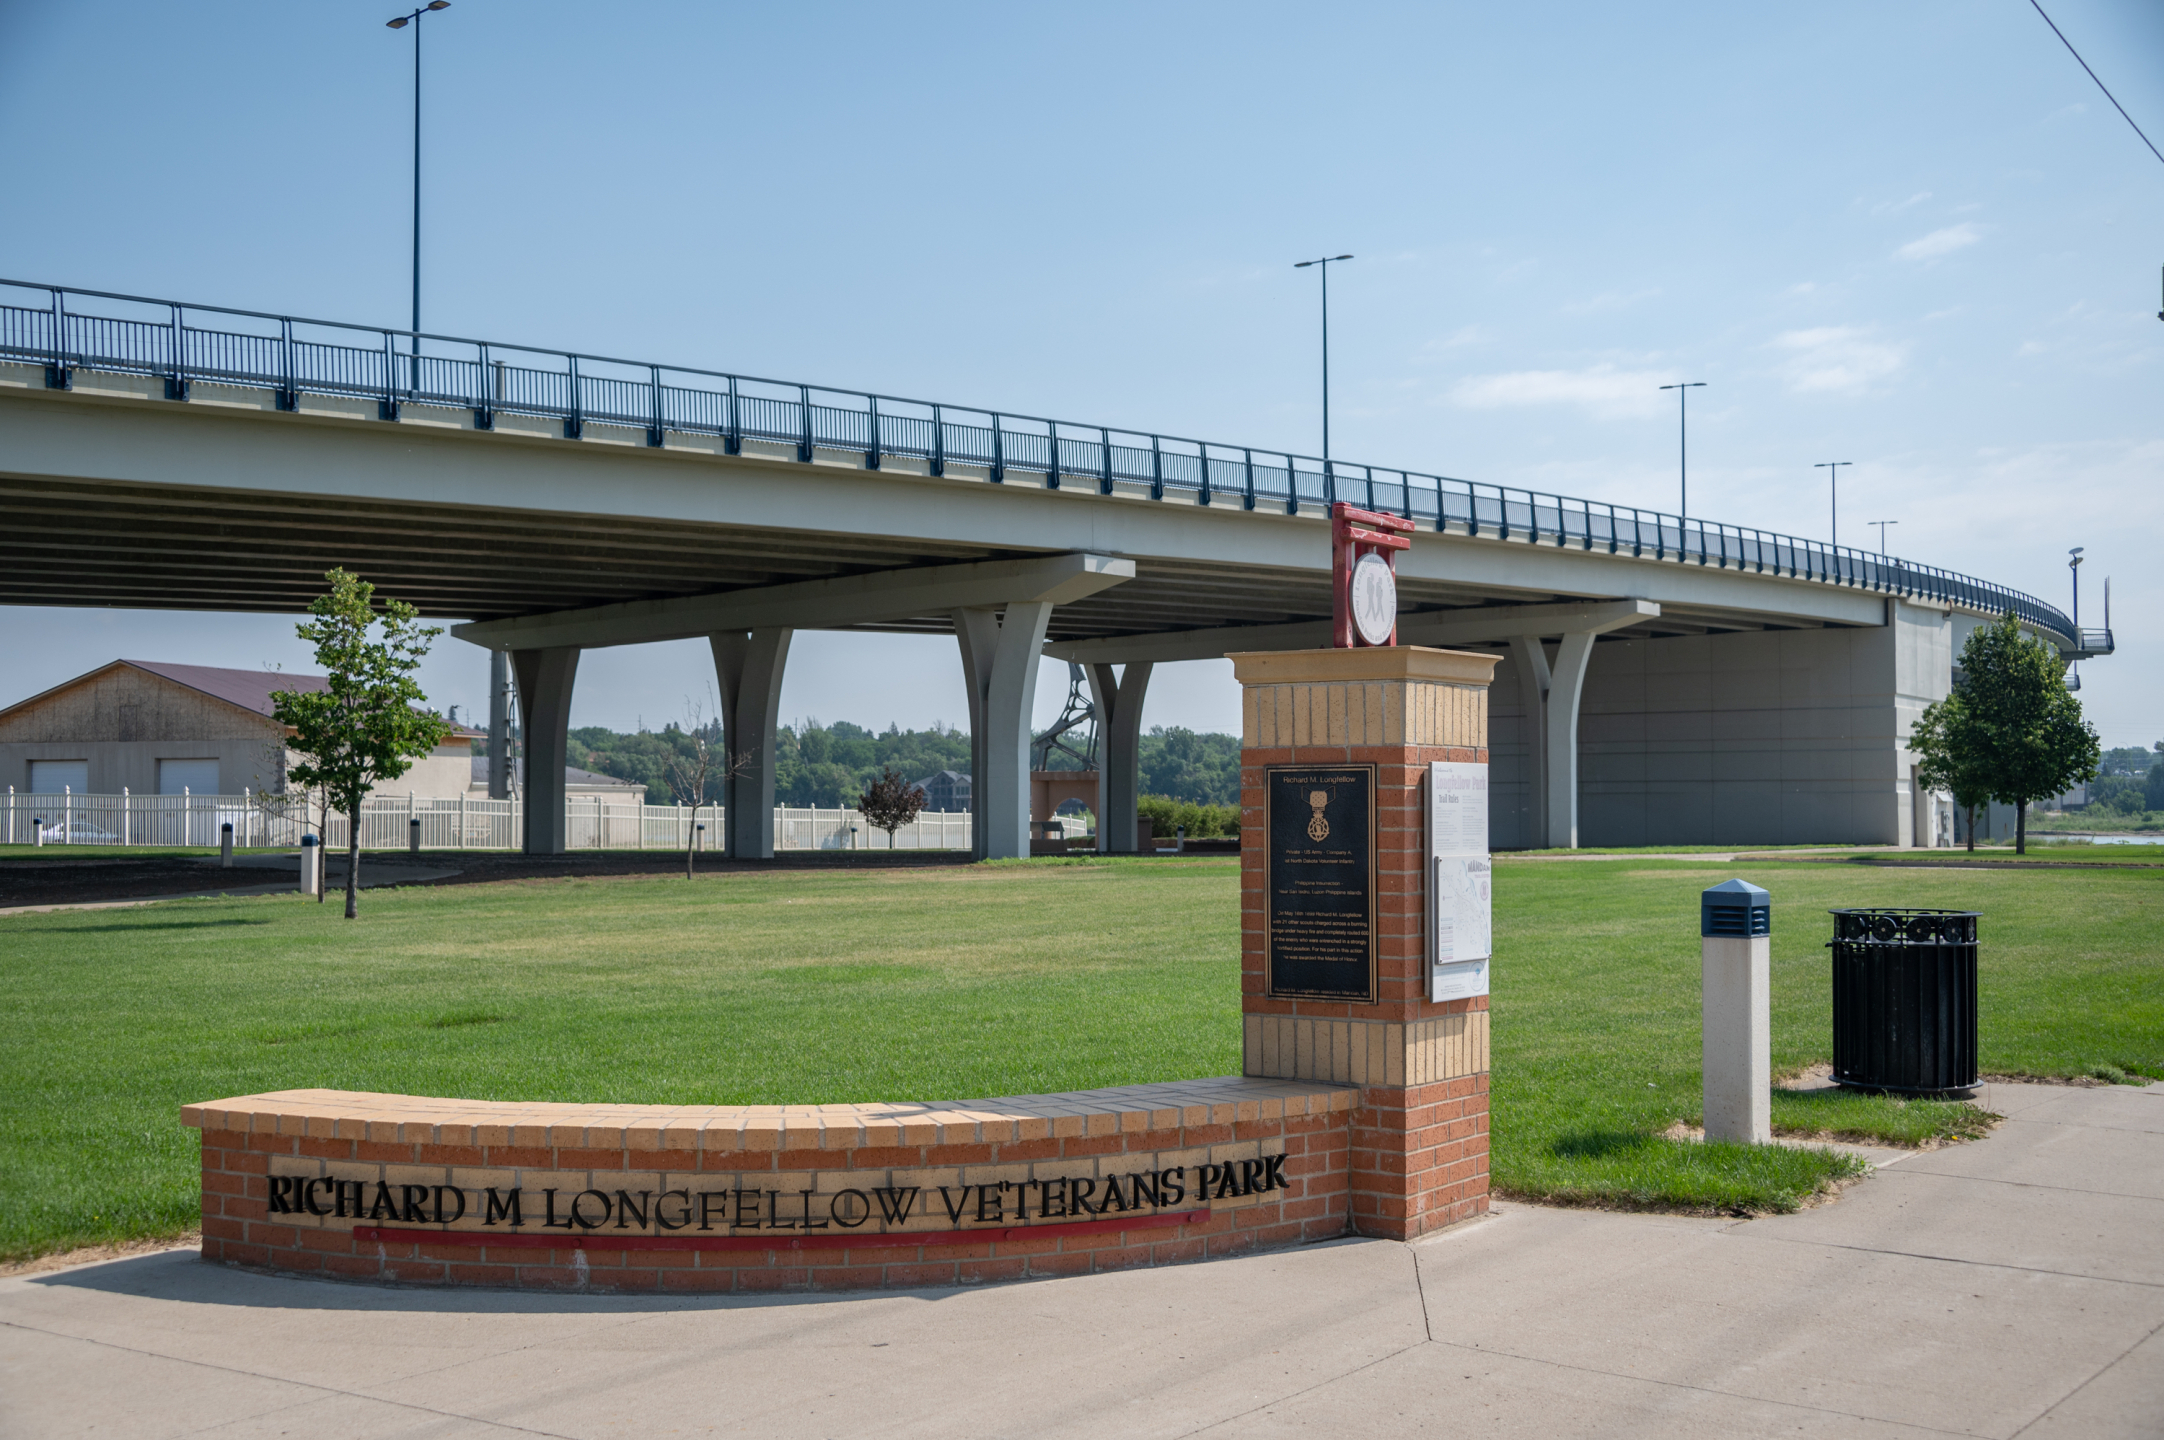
x,y
152,728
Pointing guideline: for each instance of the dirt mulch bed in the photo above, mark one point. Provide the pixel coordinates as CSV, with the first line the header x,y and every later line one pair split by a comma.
x,y
93,1254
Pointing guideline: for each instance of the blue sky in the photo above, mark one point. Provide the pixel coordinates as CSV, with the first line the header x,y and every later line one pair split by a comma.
x,y
1915,237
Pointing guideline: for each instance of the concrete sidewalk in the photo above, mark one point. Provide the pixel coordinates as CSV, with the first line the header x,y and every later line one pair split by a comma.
x,y
2010,1287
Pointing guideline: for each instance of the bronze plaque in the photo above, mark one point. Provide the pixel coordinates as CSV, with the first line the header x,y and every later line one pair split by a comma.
x,y
1319,881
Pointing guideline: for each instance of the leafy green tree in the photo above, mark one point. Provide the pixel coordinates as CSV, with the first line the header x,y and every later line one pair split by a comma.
x,y
1201,769
366,726
1949,748
2024,730
2127,760
2118,794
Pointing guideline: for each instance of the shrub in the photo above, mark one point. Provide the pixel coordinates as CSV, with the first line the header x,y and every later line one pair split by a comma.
x,y
1202,821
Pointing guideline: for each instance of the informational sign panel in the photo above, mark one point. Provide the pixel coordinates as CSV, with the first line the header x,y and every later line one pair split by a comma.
x,y
1319,881
1460,881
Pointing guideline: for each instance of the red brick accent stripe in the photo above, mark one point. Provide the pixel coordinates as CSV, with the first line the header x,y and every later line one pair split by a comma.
x,y
847,1240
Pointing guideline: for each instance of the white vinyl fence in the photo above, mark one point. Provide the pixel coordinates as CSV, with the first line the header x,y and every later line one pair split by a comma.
x,y
592,823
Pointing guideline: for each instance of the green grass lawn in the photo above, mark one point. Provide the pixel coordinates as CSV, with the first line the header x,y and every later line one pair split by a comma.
x,y
827,985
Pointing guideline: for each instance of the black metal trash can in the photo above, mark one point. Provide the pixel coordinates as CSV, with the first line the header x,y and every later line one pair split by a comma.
x,y
1904,999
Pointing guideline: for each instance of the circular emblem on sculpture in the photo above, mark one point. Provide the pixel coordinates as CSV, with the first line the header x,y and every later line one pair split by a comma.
x,y
1374,599
1318,828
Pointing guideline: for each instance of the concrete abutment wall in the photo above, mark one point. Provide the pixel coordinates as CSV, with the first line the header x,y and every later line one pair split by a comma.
x,y
1762,737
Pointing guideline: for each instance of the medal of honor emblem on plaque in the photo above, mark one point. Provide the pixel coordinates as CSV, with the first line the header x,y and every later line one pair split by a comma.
x,y
1317,827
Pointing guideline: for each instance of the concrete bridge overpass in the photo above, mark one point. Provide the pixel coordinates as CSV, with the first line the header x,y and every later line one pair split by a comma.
x,y
1666,680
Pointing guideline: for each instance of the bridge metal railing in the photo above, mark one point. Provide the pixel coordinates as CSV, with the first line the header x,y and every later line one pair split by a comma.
x,y
290,356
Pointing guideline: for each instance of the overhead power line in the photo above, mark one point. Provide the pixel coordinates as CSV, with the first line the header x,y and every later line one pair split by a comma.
x,y
2099,84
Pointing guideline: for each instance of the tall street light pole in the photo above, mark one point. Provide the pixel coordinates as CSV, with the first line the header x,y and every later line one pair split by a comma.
x,y
1325,262
1833,494
1683,391
1882,524
2073,568
401,23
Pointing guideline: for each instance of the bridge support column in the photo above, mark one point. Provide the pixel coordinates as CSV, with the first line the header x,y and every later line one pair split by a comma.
x,y
544,707
1548,696
1000,650
499,725
749,665
1119,767
1529,658
1566,684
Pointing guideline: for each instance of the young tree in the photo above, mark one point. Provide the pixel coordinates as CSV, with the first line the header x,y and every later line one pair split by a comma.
x,y
366,726
697,764
691,767
890,803
1945,742
2024,731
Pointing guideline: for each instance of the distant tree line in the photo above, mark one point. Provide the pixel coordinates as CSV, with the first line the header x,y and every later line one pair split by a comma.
x,y
829,766
1190,767
2124,794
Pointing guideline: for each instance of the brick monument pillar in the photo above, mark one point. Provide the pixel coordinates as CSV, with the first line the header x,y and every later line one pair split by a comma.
x,y
1337,968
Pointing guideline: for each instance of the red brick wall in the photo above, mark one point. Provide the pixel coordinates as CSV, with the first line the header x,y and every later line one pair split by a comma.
x,y
238,1228
1420,1154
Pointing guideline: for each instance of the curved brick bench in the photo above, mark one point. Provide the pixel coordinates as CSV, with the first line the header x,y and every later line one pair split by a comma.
x,y
677,1197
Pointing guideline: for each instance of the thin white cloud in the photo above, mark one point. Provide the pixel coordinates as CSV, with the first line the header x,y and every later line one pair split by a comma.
x,y
1602,390
1837,359
1940,242
1892,207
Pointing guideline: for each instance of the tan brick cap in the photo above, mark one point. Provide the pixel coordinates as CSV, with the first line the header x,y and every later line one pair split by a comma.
x,y
421,1119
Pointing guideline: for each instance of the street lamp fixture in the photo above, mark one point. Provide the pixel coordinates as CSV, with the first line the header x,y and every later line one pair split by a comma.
x,y
414,19
1683,391
1325,262
2073,568
1882,524
1833,493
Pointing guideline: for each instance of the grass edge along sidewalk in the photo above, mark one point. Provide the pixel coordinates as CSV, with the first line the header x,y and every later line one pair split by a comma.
x,y
829,985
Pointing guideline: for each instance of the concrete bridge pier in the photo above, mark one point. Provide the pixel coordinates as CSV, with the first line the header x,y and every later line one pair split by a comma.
x,y
1000,610
749,665
545,677
1551,689
1000,650
1119,769
1549,692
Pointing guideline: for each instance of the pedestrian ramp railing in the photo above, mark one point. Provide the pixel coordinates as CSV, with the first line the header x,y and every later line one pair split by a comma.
x,y
388,822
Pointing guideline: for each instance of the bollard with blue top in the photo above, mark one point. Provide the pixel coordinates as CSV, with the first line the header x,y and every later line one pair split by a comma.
x,y
1735,925
311,866
225,845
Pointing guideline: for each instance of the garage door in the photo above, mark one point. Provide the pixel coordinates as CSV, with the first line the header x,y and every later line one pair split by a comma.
x,y
50,777
198,777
